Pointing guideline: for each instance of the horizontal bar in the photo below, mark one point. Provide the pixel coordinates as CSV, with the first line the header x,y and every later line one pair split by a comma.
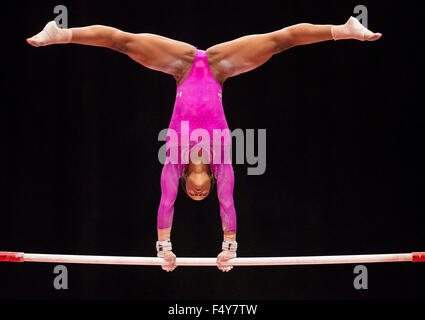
x,y
12,256
256,261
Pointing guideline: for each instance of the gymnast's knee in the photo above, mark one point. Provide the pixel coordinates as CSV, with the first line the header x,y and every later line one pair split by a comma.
x,y
120,41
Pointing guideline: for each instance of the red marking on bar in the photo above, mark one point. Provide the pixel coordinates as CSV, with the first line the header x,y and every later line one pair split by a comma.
x,y
12,256
418,256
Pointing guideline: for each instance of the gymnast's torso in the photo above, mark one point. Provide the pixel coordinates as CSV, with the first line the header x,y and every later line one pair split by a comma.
x,y
198,105
199,99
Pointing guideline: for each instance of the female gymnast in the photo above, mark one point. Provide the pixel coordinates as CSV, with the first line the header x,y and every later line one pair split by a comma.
x,y
199,77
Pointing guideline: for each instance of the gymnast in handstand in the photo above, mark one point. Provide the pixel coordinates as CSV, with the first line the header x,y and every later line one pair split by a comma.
x,y
199,77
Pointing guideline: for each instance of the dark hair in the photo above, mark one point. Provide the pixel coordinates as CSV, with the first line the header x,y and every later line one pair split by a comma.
x,y
183,181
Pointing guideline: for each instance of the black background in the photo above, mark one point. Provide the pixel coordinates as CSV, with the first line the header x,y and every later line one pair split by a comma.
x,y
344,153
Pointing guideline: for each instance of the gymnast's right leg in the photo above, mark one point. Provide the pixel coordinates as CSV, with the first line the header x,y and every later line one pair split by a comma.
x,y
153,51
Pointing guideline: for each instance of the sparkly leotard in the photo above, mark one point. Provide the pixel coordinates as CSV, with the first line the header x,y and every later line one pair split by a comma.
x,y
198,105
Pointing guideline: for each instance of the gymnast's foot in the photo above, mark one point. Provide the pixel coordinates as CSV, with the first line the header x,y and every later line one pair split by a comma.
x,y
51,34
353,29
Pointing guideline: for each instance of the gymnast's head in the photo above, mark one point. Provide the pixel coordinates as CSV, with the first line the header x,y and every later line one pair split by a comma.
x,y
197,181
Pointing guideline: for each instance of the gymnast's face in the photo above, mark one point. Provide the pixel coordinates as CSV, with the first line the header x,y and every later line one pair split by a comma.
x,y
198,184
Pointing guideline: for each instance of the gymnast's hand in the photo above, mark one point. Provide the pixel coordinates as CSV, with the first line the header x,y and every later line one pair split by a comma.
x,y
164,250
169,259
222,260
229,252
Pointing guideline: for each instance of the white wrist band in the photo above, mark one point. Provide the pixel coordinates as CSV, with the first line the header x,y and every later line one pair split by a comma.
x,y
231,246
164,246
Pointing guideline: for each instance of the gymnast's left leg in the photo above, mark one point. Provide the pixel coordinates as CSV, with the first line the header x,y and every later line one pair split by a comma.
x,y
241,55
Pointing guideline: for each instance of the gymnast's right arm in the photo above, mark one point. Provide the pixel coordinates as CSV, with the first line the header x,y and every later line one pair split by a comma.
x,y
169,188
152,51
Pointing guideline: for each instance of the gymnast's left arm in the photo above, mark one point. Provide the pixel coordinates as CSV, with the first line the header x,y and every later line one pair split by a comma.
x,y
225,183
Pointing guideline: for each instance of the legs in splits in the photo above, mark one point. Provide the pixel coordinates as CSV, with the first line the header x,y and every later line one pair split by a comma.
x,y
226,60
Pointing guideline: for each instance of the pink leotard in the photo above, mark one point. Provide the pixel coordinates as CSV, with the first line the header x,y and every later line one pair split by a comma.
x,y
198,103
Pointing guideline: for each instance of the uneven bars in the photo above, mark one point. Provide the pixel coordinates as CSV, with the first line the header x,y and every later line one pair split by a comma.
x,y
269,261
